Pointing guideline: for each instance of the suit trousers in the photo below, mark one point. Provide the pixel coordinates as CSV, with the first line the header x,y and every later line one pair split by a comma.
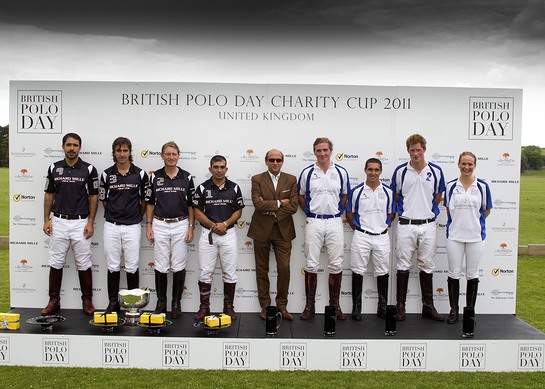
x,y
282,252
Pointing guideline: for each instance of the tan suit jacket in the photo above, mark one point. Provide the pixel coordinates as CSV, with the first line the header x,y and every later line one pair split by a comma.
x,y
265,200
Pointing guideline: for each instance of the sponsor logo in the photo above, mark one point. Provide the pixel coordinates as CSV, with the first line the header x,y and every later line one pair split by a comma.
x,y
500,204
412,356
353,356
443,158
39,112
530,357
491,118
497,294
115,352
19,197
496,272
4,350
175,354
236,355
348,157
293,356
150,154
250,156
22,153
502,251
55,351
472,357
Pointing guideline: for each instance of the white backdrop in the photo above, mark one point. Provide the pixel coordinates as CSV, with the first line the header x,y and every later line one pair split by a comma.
x,y
243,121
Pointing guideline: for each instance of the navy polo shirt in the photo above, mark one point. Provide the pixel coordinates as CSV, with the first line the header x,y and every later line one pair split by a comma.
x,y
123,194
72,186
218,204
171,197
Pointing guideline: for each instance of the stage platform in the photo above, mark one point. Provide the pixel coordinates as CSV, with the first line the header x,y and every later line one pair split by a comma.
x,y
500,343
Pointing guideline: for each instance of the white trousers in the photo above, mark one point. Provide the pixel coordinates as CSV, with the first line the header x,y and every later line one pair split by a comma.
x,y
69,234
320,233
420,238
456,251
122,243
170,248
224,247
375,247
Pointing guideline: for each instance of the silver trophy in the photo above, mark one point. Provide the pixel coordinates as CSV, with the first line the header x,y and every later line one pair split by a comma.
x,y
132,300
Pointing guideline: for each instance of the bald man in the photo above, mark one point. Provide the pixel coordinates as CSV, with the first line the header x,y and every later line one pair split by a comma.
x,y
274,194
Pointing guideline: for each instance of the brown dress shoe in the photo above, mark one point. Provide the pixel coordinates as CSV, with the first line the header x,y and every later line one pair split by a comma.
x,y
263,314
285,314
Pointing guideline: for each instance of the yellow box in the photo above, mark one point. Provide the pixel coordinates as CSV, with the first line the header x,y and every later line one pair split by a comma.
x,y
217,321
149,318
105,318
9,321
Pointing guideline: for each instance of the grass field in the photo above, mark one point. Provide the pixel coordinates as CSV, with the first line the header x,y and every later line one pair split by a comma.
x,y
4,201
530,297
532,208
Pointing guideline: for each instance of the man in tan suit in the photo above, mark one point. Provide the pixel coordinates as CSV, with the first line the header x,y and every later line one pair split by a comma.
x,y
274,195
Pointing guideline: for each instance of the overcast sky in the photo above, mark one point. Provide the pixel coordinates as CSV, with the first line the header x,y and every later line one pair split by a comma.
x,y
462,43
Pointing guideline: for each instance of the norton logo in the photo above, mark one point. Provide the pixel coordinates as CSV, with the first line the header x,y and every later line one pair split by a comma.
x,y
342,156
241,223
497,271
17,197
149,153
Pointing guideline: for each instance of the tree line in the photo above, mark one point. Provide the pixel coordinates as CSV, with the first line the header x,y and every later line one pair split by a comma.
x,y
532,157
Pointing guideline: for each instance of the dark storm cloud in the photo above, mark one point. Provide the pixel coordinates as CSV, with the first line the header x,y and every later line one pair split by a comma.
x,y
349,19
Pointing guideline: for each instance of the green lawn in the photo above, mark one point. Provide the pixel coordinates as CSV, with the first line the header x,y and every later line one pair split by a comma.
x,y
4,201
532,208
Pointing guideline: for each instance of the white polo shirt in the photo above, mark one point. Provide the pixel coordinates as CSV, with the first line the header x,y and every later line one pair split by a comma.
x,y
466,220
371,208
417,190
323,191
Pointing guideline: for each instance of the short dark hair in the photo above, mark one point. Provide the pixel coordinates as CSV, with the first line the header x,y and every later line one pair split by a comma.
x,y
373,160
217,158
71,135
120,141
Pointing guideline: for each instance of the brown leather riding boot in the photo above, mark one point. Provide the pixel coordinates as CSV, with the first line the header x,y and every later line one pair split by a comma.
x,y
426,286
204,309
55,282
228,299
334,294
311,280
86,284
